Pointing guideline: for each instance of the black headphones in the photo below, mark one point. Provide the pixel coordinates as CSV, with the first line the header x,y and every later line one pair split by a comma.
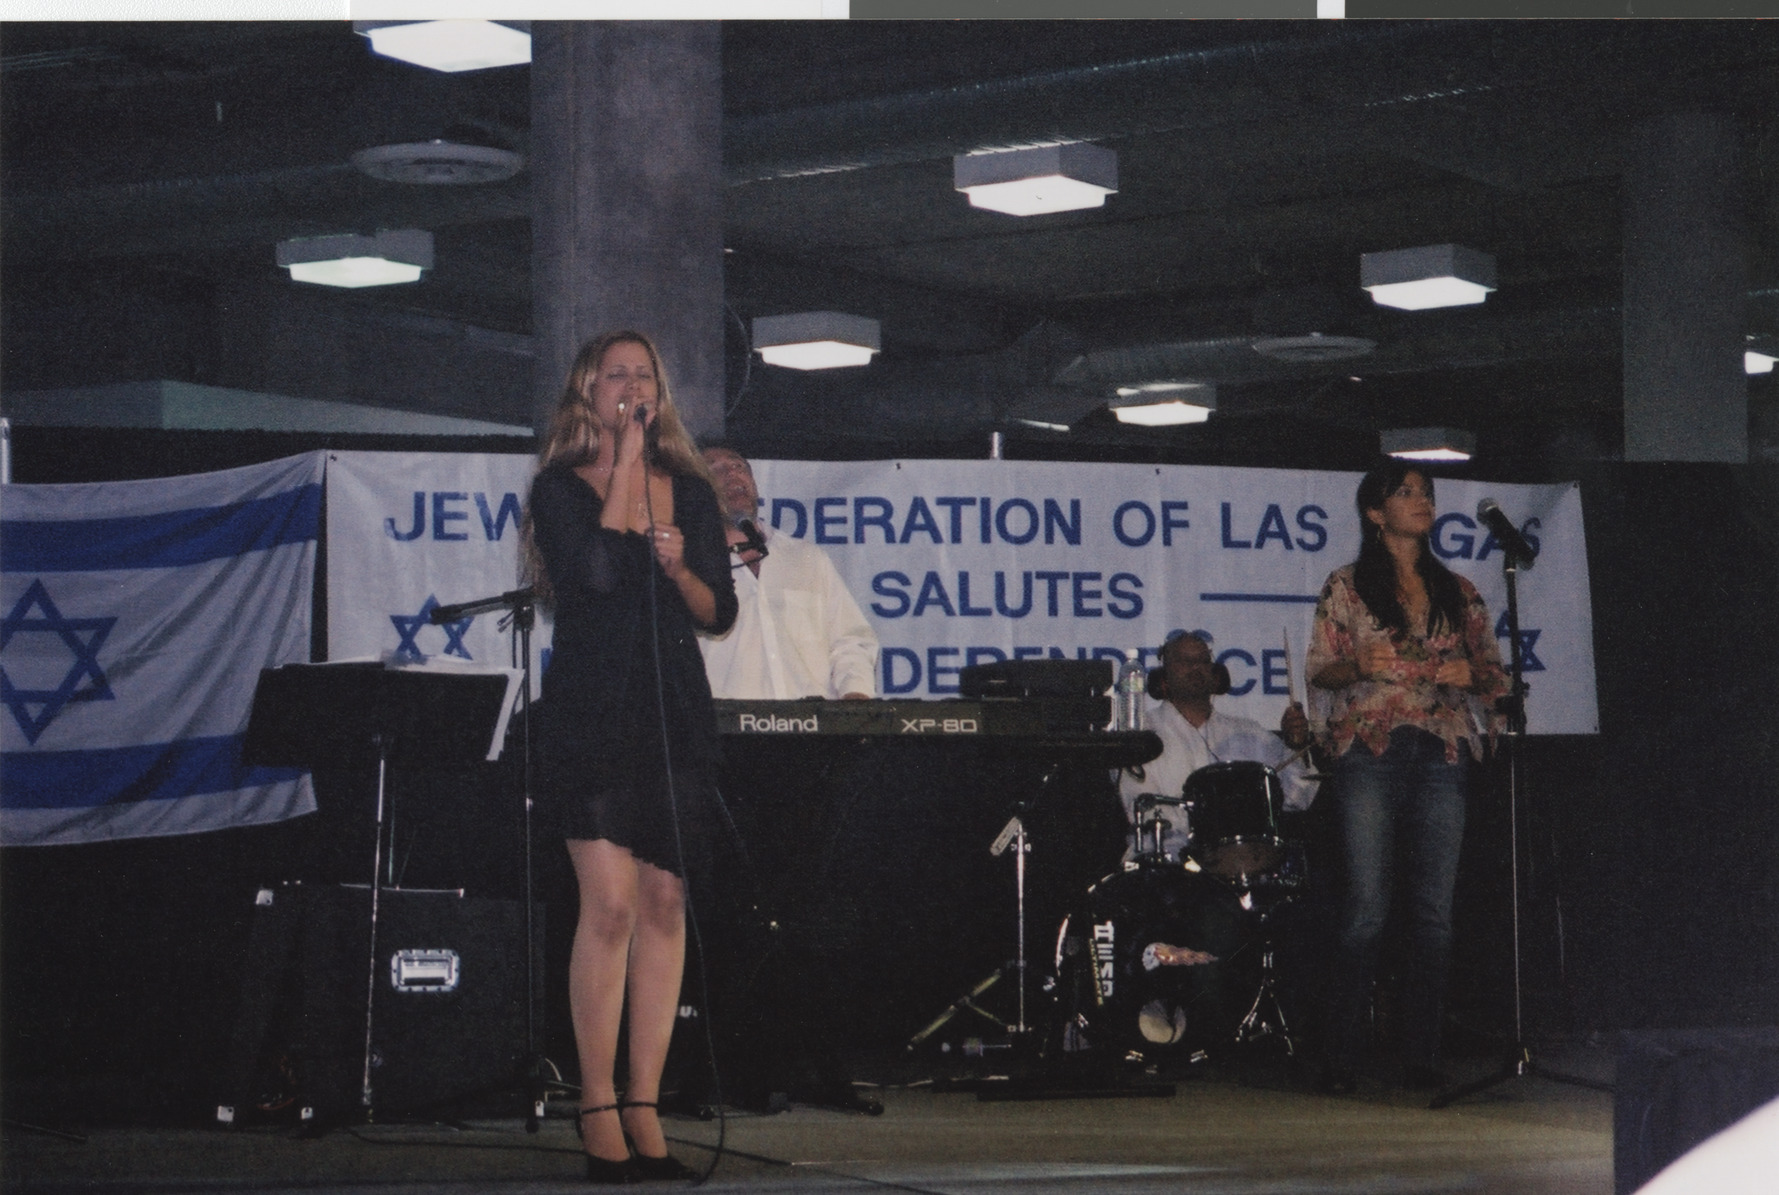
x,y
1220,681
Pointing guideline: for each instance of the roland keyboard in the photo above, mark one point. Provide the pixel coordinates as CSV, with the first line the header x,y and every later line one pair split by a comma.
x,y
878,719
995,716
1036,728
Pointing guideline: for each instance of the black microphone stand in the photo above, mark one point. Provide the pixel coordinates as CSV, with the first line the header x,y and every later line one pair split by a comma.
x,y
521,607
1520,1063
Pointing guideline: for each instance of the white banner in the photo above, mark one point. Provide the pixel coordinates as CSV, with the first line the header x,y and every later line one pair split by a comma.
x,y
961,562
138,617
410,531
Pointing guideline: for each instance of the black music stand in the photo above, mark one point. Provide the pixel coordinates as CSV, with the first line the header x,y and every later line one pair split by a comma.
x,y
356,714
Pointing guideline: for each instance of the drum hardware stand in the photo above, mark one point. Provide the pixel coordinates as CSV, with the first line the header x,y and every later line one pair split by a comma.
x,y
1012,835
966,1003
1151,850
521,616
1257,1024
1520,1064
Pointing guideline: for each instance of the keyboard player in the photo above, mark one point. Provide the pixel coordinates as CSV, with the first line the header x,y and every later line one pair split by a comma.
x,y
799,632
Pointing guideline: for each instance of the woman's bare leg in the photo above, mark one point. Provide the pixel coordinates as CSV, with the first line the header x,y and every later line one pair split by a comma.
x,y
607,876
657,963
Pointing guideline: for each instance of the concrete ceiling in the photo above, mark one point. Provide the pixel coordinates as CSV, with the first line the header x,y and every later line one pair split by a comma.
x,y
1257,161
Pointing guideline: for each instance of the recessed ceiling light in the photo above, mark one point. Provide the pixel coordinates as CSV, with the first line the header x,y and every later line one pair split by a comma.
x,y
353,261
1038,181
1428,276
1428,443
1163,414
816,340
1164,404
455,45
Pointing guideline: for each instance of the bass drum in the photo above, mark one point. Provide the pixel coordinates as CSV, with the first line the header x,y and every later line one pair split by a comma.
x,y
1158,960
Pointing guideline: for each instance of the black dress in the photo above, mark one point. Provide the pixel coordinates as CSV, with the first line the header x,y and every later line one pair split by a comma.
x,y
624,750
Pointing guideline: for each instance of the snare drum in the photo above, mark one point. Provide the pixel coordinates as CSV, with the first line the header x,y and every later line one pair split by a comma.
x,y
1235,811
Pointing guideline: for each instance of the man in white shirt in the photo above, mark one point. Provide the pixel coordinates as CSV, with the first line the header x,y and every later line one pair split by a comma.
x,y
799,633
1193,734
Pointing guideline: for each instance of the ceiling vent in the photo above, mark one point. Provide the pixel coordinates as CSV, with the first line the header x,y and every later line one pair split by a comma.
x,y
1314,348
463,156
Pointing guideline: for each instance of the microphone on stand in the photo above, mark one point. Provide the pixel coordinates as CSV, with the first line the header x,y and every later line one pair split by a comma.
x,y
1489,513
512,599
752,540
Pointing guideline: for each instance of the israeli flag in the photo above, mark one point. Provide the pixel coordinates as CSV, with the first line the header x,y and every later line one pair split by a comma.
x,y
134,620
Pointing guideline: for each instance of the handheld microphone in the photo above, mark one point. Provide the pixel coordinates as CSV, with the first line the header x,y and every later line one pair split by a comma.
x,y
640,412
1506,534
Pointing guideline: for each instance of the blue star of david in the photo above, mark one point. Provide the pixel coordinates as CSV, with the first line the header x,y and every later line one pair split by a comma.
x,y
82,637
1529,661
408,627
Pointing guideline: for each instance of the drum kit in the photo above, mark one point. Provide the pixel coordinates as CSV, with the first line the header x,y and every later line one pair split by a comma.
x,y
1174,958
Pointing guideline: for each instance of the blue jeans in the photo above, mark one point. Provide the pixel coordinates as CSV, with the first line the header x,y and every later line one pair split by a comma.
x,y
1402,808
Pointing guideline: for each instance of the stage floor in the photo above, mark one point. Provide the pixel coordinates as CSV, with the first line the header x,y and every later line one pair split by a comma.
x,y
1256,1130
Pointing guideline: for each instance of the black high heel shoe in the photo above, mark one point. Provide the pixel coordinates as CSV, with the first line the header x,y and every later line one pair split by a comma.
x,y
603,1170
649,1169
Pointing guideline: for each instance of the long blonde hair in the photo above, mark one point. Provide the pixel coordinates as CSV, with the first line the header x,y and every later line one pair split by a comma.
x,y
573,436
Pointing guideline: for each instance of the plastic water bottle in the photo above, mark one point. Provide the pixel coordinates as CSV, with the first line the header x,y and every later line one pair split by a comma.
x,y
1129,692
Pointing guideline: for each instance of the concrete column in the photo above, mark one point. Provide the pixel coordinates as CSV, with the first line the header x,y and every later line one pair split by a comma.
x,y
1685,275
627,207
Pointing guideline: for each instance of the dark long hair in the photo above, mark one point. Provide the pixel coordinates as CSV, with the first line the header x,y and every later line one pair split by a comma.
x,y
1374,574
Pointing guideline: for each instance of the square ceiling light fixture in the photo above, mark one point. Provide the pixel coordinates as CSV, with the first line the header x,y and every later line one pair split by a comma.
x,y
1430,276
455,45
1035,182
816,340
1164,404
1428,443
354,261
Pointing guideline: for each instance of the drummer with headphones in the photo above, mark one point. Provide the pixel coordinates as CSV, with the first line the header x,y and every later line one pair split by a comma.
x,y
1193,735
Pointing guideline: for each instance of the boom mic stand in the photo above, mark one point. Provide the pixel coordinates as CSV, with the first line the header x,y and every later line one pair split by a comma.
x,y
521,607
1012,835
1520,1062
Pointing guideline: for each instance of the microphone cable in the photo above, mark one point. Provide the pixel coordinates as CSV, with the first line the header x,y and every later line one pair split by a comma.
x,y
747,364
679,846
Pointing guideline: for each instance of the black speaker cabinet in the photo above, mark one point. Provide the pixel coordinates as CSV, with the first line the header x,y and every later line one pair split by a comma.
x,y
447,1000
1677,1087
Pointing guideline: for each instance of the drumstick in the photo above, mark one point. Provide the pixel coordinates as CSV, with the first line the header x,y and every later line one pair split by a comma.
x,y
1290,671
1291,758
1291,694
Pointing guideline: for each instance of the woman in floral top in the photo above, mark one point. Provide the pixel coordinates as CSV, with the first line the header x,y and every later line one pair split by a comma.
x,y
1405,668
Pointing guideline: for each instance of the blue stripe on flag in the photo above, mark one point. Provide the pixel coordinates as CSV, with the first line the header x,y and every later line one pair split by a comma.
x,y
168,540
1258,597
153,772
